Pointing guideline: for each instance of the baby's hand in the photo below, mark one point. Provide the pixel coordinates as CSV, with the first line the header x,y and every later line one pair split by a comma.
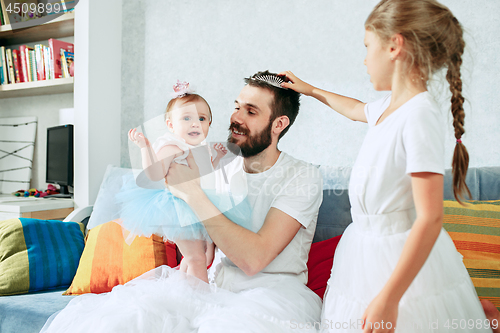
x,y
296,84
138,138
220,149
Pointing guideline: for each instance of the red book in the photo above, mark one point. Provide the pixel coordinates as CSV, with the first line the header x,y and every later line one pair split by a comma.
x,y
18,68
56,46
22,51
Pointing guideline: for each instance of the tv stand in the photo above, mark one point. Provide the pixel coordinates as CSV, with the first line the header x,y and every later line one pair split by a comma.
x,y
63,189
59,196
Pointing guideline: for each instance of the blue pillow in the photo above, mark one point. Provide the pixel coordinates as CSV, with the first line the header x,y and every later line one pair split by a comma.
x,y
38,254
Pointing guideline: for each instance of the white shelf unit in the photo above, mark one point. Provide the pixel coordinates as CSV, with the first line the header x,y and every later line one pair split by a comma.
x,y
63,26
37,88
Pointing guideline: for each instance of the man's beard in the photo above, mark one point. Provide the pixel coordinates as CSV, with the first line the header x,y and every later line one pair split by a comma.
x,y
253,145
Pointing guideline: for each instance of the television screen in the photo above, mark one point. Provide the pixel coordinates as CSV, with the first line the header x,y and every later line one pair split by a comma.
x,y
60,156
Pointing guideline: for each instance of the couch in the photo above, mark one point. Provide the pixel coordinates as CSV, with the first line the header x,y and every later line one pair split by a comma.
x,y
28,312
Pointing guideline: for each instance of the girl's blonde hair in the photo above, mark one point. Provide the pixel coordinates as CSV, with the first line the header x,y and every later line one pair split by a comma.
x,y
184,100
433,39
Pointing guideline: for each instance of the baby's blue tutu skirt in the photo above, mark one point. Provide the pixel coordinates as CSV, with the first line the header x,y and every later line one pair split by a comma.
x,y
157,211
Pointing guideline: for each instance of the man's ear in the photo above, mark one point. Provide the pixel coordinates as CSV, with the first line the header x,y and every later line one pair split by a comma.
x,y
279,124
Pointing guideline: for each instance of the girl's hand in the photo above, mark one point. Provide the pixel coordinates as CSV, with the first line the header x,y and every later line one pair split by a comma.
x,y
296,84
138,138
220,149
380,316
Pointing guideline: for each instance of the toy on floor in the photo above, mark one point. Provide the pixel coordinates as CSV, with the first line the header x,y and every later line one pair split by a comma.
x,y
33,192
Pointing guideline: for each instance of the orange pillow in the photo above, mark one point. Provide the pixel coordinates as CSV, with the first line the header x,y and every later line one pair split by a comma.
x,y
107,260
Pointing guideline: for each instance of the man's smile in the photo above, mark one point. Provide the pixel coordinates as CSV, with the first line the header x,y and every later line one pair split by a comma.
x,y
237,133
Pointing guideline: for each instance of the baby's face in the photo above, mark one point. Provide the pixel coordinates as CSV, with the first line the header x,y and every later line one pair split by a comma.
x,y
190,121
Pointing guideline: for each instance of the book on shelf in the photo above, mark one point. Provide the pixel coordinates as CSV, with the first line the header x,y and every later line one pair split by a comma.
x,y
56,47
40,65
10,64
17,66
4,13
49,74
3,72
2,21
66,59
32,60
22,54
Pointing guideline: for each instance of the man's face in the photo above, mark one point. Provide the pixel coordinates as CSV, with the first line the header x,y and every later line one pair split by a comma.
x,y
251,127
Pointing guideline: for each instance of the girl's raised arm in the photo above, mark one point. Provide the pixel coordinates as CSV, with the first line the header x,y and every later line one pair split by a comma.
x,y
346,106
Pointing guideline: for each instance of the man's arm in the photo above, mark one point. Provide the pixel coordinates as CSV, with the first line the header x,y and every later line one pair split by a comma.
x,y
250,251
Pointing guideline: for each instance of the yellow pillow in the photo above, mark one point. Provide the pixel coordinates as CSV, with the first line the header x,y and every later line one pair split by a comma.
x,y
107,260
475,230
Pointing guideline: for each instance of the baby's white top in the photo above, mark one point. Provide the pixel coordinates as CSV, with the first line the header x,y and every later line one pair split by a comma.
x,y
409,140
201,153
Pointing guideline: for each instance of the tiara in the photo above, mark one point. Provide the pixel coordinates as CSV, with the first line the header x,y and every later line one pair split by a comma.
x,y
181,89
273,80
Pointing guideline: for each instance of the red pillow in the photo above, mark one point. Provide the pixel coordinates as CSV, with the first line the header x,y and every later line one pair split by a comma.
x,y
320,264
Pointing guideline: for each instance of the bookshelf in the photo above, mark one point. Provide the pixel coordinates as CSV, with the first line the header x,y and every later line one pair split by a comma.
x,y
63,26
37,88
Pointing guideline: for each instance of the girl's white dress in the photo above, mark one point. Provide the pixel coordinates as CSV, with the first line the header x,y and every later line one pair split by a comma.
x,y
442,297
146,209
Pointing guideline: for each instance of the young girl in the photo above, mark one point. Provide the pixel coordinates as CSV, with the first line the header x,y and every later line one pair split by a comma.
x,y
395,265
146,211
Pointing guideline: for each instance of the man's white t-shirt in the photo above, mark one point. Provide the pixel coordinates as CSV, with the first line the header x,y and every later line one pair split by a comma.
x,y
290,185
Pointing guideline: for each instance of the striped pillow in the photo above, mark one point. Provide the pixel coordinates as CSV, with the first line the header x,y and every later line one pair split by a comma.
x,y
108,260
475,230
38,255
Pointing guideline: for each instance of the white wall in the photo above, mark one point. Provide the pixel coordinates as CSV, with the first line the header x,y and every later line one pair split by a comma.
x,y
216,44
98,42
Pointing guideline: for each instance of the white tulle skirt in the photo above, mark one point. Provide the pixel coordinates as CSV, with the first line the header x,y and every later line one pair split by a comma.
x,y
167,300
440,298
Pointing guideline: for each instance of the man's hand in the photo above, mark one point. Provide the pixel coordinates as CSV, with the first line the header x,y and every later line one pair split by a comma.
x,y
184,181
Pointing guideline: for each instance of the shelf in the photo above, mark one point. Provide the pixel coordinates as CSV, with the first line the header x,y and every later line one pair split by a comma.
x,y
36,88
63,26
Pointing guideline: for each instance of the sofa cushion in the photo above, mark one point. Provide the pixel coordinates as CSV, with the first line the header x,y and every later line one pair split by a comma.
x,y
320,264
475,230
108,260
38,254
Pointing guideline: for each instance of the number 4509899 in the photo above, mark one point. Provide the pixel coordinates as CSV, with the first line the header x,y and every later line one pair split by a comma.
x,y
471,324
40,8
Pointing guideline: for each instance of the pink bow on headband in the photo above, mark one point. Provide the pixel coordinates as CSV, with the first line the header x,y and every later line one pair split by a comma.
x,y
181,89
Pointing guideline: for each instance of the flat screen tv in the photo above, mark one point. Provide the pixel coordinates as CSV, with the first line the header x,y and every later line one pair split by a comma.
x,y
60,158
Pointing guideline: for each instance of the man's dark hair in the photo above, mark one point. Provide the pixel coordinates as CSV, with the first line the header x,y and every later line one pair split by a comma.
x,y
286,101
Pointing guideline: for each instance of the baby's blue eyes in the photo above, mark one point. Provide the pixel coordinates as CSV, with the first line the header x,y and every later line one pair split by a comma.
x,y
189,118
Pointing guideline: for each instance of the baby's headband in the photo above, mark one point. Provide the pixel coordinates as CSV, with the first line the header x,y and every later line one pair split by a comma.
x,y
273,80
181,89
